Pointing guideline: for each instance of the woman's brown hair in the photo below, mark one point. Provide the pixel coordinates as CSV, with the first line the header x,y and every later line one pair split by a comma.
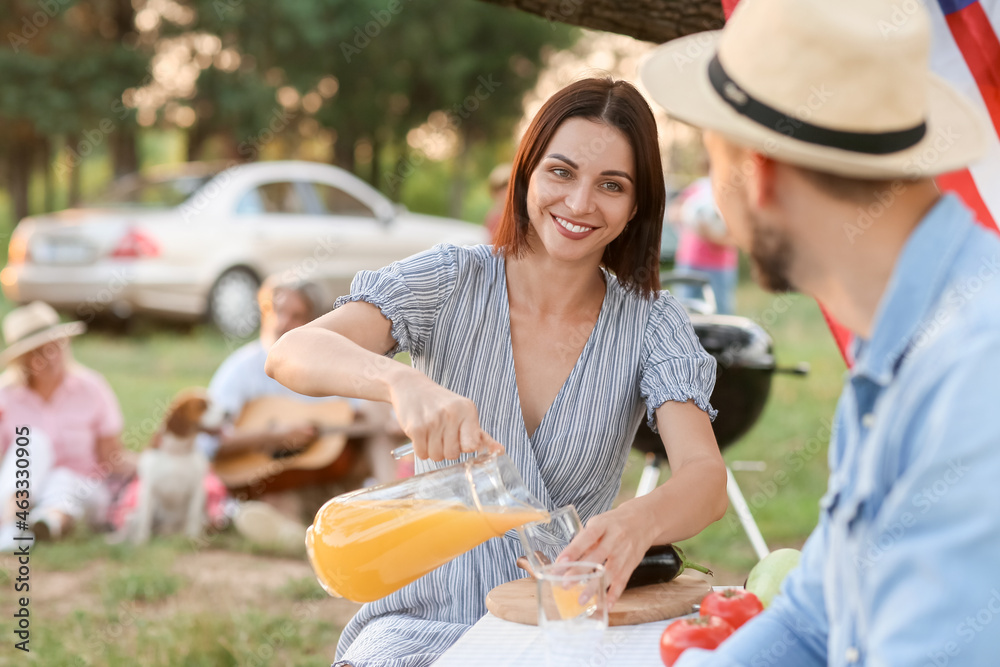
x,y
635,255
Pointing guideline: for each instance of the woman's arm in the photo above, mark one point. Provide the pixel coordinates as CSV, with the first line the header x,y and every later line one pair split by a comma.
x,y
341,354
693,497
111,455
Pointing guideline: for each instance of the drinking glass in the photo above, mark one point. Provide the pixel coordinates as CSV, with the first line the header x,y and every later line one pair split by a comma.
x,y
543,540
572,611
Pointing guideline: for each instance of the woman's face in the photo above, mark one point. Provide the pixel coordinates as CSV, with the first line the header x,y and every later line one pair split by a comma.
x,y
47,361
582,193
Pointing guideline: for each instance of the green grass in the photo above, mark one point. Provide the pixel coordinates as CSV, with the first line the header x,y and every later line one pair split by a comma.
x,y
147,583
140,615
127,637
790,439
304,588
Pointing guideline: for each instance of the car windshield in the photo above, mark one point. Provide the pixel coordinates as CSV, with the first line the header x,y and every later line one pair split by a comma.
x,y
149,193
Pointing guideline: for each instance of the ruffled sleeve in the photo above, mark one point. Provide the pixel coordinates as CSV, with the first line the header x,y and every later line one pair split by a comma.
x,y
675,367
409,293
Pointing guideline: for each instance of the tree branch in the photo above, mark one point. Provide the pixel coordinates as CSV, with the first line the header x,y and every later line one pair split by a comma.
x,y
650,20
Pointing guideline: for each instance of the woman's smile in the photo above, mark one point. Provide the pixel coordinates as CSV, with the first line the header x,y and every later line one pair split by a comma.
x,y
570,228
580,198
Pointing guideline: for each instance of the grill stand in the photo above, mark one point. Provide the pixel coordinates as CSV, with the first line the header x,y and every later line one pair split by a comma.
x,y
651,477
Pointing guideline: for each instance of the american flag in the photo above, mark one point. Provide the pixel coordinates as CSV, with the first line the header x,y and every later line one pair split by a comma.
x,y
966,51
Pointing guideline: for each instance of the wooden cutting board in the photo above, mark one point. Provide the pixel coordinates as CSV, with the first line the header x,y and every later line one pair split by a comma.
x,y
517,601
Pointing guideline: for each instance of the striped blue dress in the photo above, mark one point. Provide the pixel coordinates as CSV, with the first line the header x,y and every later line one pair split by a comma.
x,y
449,309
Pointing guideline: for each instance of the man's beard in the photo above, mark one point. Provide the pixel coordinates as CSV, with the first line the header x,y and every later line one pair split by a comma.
x,y
771,257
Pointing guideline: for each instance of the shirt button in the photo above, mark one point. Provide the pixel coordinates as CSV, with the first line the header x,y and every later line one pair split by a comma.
x,y
868,420
853,655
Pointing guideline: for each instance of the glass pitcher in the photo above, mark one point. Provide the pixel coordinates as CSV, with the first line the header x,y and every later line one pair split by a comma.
x,y
368,543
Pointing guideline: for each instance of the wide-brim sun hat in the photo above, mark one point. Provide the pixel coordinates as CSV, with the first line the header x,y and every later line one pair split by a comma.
x,y
30,327
841,87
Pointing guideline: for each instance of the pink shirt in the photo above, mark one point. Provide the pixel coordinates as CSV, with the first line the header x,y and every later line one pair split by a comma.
x,y
82,410
700,253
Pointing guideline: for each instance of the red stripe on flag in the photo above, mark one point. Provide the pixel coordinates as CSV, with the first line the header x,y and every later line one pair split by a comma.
x,y
727,7
981,49
961,183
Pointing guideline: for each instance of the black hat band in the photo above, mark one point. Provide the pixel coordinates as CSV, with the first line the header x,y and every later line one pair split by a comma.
x,y
872,143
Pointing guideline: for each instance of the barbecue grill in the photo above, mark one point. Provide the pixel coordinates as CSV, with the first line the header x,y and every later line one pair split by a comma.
x,y
744,353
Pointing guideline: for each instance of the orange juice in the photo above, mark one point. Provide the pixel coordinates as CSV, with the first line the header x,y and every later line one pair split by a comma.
x,y
366,549
573,599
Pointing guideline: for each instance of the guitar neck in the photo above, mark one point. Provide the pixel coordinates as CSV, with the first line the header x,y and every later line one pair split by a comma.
x,y
350,430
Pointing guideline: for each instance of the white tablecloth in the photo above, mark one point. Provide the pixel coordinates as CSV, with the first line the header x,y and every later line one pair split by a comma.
x,y
493,642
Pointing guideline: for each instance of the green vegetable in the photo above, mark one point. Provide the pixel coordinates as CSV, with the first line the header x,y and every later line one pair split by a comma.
x,y
766,576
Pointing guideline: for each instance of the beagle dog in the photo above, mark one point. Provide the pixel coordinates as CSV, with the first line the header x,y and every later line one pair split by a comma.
x,y
171,472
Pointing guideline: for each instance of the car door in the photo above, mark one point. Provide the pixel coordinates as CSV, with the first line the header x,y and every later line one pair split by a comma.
x,y
280,222
349,238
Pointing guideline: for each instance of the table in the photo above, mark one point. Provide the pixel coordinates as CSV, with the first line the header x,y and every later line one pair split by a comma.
x,y
493,642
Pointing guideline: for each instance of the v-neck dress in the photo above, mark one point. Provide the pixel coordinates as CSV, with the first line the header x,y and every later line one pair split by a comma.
x,y
449,309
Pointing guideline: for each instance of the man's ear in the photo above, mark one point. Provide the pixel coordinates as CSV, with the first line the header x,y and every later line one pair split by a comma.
x,y
761,181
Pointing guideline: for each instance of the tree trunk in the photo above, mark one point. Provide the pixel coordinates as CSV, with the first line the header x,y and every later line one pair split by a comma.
x,y
650,20
456,200
343,151
73,197
45,162
196,137
123,144
19,166
376,165
124,152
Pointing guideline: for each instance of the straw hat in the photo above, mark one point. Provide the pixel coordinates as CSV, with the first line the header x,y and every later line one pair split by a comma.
x,y
32,326
841,87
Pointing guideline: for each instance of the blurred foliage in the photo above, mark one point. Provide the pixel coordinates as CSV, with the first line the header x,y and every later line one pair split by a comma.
x,y
353,77
62,75
394,63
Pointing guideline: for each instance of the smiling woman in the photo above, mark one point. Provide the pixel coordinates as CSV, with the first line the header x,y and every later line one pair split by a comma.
x,y
596,151
555,342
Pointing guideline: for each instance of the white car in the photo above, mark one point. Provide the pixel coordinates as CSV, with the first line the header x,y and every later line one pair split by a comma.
x,y
197,241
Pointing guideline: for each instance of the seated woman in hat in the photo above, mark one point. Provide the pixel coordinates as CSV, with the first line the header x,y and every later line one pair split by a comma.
x,y
555,342
65,418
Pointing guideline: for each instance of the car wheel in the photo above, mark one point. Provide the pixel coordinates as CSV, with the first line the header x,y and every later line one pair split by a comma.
x,y
232,303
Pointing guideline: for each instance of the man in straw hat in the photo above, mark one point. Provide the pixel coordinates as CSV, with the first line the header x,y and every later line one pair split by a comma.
x,y
63,421
824,129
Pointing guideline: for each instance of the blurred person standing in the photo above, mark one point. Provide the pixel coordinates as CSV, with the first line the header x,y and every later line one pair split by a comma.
x,y
705,245
72,420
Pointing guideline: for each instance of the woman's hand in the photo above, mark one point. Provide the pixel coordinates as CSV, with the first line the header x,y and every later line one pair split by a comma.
x,y
618,539
441,423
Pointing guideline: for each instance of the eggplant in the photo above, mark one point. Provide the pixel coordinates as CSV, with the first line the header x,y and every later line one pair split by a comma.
x,y
662,563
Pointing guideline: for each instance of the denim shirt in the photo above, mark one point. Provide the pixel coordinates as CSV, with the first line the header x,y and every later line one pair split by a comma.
x,y
903,568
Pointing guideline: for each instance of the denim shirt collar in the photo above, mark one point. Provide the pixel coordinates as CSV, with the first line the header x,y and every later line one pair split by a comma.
x,y
914,288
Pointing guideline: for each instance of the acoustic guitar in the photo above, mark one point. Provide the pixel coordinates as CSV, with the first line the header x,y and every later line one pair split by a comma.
x,y
322,460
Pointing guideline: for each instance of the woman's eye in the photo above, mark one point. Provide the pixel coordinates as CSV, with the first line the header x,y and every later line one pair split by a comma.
x,y
560,172
614,187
